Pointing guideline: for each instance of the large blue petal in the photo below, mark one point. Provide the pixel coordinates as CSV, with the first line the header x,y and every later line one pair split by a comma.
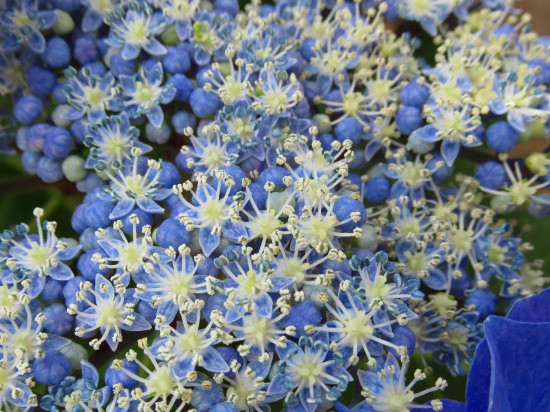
x,y
520,369
479,380
534,309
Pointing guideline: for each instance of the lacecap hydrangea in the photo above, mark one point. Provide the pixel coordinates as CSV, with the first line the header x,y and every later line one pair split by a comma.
x,y
278,209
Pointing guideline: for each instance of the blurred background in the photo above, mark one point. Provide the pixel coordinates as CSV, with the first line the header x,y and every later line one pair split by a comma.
x,y
540,9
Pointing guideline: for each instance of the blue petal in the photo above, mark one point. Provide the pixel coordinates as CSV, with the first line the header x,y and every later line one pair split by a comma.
x,y
89,372
517,121
154,47
426,134
149,205
155,115
183,29
36,41
91,20
129,52
449,151
69,252
122,208
264,305
61,272
103,287
208,241
138,324
497,106
436,279
213,361
182,368
233,231
280,384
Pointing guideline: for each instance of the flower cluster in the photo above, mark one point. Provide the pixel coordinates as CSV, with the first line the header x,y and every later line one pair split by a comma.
x,y
270,218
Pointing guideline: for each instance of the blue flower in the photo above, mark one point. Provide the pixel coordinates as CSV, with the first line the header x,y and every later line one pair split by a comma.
x,y
212,210
111,142
309,374
181,13
454,127
77,394
510,369
96,11
429,13
211,35
89,95
22,23
248,285
136,30
169,286
144,93
130,188
519,99
111,313
35,257
388,390
188,345
15,392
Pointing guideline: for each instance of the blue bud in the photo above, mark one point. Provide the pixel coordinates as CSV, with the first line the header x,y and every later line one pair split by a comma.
x,y
57,54
85,50
414,94
158,135
88,268
491,175
58,321
53,290
28,109
30,161
441,172
501,137
144,219
350,129
274,175
58,143
204,103
113,376
172,233
41,80
301,315
183,85
403,336
343,207
36,136
377,190
97,214
176,60
484,302
70,290
169,175
49,170
51,369
408,119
